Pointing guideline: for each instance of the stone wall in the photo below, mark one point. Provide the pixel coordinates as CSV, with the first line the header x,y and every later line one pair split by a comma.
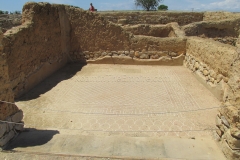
x,y
216,65
123,18
8,112
34,49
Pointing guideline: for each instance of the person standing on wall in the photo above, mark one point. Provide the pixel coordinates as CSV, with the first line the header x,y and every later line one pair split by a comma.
x,y
92,9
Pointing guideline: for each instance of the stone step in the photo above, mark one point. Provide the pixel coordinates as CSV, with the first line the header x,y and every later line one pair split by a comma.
x,y
52,143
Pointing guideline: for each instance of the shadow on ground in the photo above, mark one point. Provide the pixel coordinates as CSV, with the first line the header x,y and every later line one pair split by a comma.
x,y
64,73
31,137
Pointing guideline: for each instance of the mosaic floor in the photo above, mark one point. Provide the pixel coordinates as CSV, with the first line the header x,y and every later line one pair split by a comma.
x,y
122,100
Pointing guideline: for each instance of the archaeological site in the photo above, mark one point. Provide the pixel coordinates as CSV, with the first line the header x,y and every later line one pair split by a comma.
x,y
119,85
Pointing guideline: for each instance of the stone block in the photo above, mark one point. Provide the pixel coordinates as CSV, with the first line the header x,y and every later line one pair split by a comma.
x,y
110,54
229,153
120,52
144,56
225,122
6,138
154,56
219,78
218,121
137,54
131,53
114,52
222,128
96,55
9,125
162,53
232,142
231,113
205,72
127,53
213,74
17,117
235,132
219,132
196,65
3,129
225,79
201,68
104,54
173,54
19,127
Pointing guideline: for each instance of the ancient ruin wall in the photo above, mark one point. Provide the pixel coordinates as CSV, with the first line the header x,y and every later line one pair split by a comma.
x,y
8,112
182,18
91,32
223,28
216,65
149,30
94,37
33,49
217,16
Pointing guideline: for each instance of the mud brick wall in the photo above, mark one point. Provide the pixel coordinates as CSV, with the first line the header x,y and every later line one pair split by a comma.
x,y
169,30
33,50
141,47
217,66
182,18
8,112
92,32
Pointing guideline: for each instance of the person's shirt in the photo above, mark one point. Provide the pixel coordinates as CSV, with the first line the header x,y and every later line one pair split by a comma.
x,y
91,8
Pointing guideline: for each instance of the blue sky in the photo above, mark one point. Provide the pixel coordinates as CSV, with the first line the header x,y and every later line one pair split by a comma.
x,y
183,5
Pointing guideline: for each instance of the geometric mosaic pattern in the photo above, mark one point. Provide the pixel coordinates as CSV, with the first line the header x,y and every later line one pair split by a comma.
x,y
128,100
